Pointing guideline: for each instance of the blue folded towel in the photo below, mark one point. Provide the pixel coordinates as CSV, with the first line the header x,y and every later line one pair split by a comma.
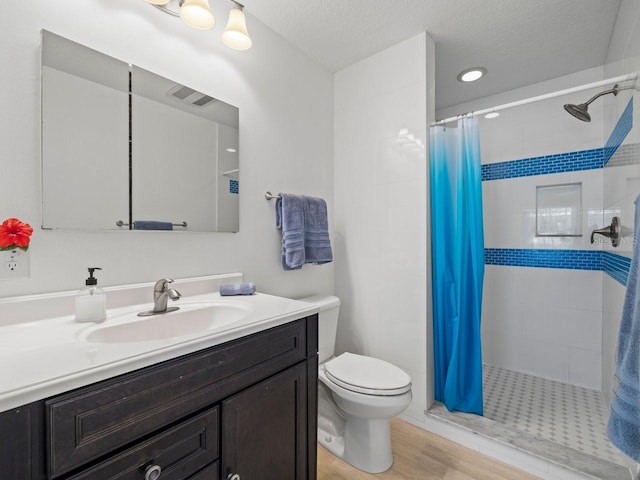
x,y
152,225
247,288
305,230
624,419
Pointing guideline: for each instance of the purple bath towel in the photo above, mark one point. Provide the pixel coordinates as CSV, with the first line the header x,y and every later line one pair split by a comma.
x,y
305,230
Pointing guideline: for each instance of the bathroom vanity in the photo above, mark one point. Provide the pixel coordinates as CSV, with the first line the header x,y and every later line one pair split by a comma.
x,y
240,408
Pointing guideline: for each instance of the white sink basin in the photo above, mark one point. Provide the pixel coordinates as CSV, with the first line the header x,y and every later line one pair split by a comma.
x,y
191,319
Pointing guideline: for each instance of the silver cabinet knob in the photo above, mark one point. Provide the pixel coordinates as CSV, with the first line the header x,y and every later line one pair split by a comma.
x,y
152,472
233,476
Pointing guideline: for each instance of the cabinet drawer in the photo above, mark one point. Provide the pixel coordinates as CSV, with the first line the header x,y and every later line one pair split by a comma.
x,y
179,452
91,422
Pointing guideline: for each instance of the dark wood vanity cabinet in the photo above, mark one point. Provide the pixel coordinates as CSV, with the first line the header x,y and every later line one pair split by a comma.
x,y
246,407
264,428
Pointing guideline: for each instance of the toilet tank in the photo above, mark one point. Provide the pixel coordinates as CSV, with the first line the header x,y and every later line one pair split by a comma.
x,y
327,323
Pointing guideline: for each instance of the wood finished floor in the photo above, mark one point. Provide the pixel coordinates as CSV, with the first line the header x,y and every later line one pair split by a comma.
x,y
420,455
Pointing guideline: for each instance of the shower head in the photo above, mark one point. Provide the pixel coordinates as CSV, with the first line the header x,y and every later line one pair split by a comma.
x,y
580,111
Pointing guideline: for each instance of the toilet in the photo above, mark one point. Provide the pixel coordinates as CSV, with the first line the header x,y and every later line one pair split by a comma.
x,y
357,395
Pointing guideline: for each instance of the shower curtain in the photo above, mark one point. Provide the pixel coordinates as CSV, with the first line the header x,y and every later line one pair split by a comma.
x,y
457,248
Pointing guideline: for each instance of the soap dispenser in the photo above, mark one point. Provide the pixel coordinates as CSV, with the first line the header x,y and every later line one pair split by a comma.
x,y
91,301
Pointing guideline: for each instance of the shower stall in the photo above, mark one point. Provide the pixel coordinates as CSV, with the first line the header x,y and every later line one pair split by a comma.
x,y
553,287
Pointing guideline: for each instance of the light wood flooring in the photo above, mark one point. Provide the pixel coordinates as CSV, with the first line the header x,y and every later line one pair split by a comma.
x,y
420,455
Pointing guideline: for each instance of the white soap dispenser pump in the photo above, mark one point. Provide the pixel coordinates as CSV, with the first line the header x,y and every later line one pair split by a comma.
x,y
91,301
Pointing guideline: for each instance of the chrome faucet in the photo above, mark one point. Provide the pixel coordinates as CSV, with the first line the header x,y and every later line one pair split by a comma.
x,y
161,294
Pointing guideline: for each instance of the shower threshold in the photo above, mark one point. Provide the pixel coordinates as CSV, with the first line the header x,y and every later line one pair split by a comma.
x,y
516,402
564,457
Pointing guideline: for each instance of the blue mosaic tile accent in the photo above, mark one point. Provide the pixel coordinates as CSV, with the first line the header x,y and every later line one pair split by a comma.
x,y
616,266
557,163
234,186
544,258
620,132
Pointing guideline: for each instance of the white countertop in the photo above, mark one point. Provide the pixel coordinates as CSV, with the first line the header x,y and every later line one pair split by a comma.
x,y
42,358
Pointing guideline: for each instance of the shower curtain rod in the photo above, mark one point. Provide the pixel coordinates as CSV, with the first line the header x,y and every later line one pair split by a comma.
x,y
497,108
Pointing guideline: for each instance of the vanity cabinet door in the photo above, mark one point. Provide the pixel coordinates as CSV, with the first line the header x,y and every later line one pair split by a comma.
x,y
264,429
21,444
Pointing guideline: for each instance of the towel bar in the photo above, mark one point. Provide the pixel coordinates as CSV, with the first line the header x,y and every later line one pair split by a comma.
x,y
269,196
120,223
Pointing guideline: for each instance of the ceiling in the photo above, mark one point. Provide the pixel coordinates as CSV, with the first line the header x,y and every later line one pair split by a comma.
x,y
519,42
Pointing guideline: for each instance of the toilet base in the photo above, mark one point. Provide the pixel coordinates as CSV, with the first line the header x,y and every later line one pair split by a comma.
x,y
333,443
366,444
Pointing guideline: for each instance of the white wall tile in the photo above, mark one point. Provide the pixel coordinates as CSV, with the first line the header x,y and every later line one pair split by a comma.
x,y
533,317
577,329
621,184
381,210
545,360
585,290
585,368
613,301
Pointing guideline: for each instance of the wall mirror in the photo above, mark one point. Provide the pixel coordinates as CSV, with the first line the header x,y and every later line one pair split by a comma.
x,y
126,149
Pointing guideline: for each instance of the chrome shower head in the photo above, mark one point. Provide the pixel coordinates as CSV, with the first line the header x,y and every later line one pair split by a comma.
x,y
578,111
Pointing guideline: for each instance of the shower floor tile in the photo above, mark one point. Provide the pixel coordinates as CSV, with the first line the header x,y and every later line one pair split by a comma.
x,y
566,414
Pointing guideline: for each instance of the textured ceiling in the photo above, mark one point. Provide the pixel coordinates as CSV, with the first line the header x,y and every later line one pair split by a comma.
x,y
520,42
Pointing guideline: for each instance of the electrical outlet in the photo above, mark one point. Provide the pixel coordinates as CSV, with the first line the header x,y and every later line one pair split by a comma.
x,y
14,264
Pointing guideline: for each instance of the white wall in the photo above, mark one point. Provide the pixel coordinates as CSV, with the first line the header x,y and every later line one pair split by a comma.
x,y
286,141
622,184
542,321
381,209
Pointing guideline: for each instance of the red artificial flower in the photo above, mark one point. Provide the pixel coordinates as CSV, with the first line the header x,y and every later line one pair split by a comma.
x,y
14,233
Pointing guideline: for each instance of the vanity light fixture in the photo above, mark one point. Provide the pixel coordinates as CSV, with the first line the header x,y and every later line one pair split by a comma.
x,y
235,34
198,14
472,74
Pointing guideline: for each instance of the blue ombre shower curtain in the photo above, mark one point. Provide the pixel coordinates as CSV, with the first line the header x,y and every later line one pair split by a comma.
x,y
457,249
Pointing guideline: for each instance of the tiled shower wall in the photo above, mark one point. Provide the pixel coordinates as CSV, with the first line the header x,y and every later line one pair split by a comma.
x,y
543,299
542,303
621,179
621,187
573,323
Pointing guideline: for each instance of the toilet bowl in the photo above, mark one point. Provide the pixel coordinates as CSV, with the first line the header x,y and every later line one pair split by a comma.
x,y
357,396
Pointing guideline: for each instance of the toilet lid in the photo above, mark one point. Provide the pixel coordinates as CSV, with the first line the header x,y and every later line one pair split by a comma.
x,y
369,375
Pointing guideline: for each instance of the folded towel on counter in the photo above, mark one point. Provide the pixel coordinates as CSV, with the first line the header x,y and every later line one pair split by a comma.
x,y
152,225
305,230
624,419
247,288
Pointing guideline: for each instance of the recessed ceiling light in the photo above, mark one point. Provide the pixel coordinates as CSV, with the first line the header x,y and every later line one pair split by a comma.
x,y
492,115
471,74
231,150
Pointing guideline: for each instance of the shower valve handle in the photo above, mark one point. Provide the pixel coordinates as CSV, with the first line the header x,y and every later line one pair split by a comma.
x,y
612,231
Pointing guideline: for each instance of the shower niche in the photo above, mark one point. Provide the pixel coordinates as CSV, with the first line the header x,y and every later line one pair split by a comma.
x,y
559,210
